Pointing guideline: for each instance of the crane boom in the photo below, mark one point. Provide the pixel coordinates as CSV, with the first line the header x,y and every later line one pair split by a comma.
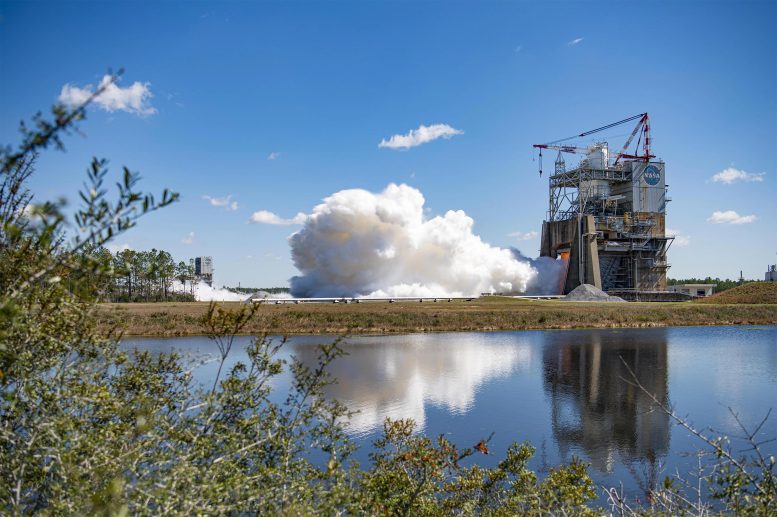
x,y
642,123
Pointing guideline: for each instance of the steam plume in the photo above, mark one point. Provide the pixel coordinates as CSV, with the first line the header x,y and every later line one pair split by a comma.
x,y
358,243
205,293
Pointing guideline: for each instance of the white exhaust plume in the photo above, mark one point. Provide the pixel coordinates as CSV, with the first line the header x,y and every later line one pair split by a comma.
x,y
358,243
205,293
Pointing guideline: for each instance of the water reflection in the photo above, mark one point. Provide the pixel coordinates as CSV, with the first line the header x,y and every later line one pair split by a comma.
x,y
398,376
593,408
563,388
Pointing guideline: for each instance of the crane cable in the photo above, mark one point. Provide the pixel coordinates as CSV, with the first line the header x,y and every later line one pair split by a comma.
x,y
608,126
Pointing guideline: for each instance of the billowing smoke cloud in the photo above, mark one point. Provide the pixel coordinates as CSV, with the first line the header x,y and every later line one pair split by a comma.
x,y
550,273
358,243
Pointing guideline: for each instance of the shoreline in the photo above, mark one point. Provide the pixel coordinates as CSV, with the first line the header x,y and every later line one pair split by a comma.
x,y
756,326
492,315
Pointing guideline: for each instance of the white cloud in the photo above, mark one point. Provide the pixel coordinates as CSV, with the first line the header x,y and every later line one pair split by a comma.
x,y
732,175
679,239
266,217
523,236
419,136
118,248
730,217
575,42
274,155
188,239
132,99
225,202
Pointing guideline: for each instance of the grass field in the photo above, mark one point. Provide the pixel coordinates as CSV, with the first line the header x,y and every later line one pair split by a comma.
x,y
488,314
754,292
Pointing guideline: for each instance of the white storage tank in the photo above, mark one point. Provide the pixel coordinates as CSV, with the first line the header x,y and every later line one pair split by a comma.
x,y
597,156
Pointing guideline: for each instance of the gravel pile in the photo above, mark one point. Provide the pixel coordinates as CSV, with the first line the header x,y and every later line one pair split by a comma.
x,y
589,293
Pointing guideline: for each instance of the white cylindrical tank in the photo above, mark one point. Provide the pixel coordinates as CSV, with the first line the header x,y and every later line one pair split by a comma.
x,y
597,156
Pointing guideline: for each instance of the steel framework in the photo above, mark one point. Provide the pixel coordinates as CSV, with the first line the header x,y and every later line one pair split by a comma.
x,y
631,244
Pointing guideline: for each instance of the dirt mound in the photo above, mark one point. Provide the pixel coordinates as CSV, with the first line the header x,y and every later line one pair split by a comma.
x,y
754,292
589,293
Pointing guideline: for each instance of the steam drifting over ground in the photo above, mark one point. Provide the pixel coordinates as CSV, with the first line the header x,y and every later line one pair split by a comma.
x,y
359,243
205,293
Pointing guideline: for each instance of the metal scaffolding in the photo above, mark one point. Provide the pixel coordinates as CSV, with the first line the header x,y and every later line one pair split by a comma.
x,y
622,200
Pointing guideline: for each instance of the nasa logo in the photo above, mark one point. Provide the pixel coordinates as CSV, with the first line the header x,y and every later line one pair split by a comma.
x,y
652,175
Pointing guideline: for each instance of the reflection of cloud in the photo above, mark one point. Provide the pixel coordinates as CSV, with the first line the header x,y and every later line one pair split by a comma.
x,y
399,379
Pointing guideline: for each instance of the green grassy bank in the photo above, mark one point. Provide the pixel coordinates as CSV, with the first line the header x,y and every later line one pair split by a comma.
x,y
488,314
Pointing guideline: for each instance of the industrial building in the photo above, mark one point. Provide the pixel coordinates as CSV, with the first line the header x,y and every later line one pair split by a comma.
x,y
698,290
771,273
606,215
203,269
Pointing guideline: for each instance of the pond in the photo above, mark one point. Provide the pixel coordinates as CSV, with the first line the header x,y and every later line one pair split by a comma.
x,y
562,391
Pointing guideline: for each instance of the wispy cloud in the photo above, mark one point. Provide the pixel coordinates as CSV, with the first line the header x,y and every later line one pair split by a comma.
x,y
225,202
732,175
518,48
523,236
188,238
133,99
419,136
679,239
575,41
118,248
274,155
730,217
267,217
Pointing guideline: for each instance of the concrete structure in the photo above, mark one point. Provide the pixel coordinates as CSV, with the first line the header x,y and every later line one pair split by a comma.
x,y
606,217
771,273
698,290
203,269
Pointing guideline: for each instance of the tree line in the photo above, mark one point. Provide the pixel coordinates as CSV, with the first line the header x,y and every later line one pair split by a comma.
x,y
137,276
721,285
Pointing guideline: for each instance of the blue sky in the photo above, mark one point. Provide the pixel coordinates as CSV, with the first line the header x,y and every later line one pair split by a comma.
x,y
317,86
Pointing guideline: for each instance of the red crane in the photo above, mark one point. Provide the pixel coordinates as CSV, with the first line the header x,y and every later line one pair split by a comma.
x,y
642,128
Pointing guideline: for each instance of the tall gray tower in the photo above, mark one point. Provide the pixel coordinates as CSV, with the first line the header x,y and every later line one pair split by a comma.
x,y
203,269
